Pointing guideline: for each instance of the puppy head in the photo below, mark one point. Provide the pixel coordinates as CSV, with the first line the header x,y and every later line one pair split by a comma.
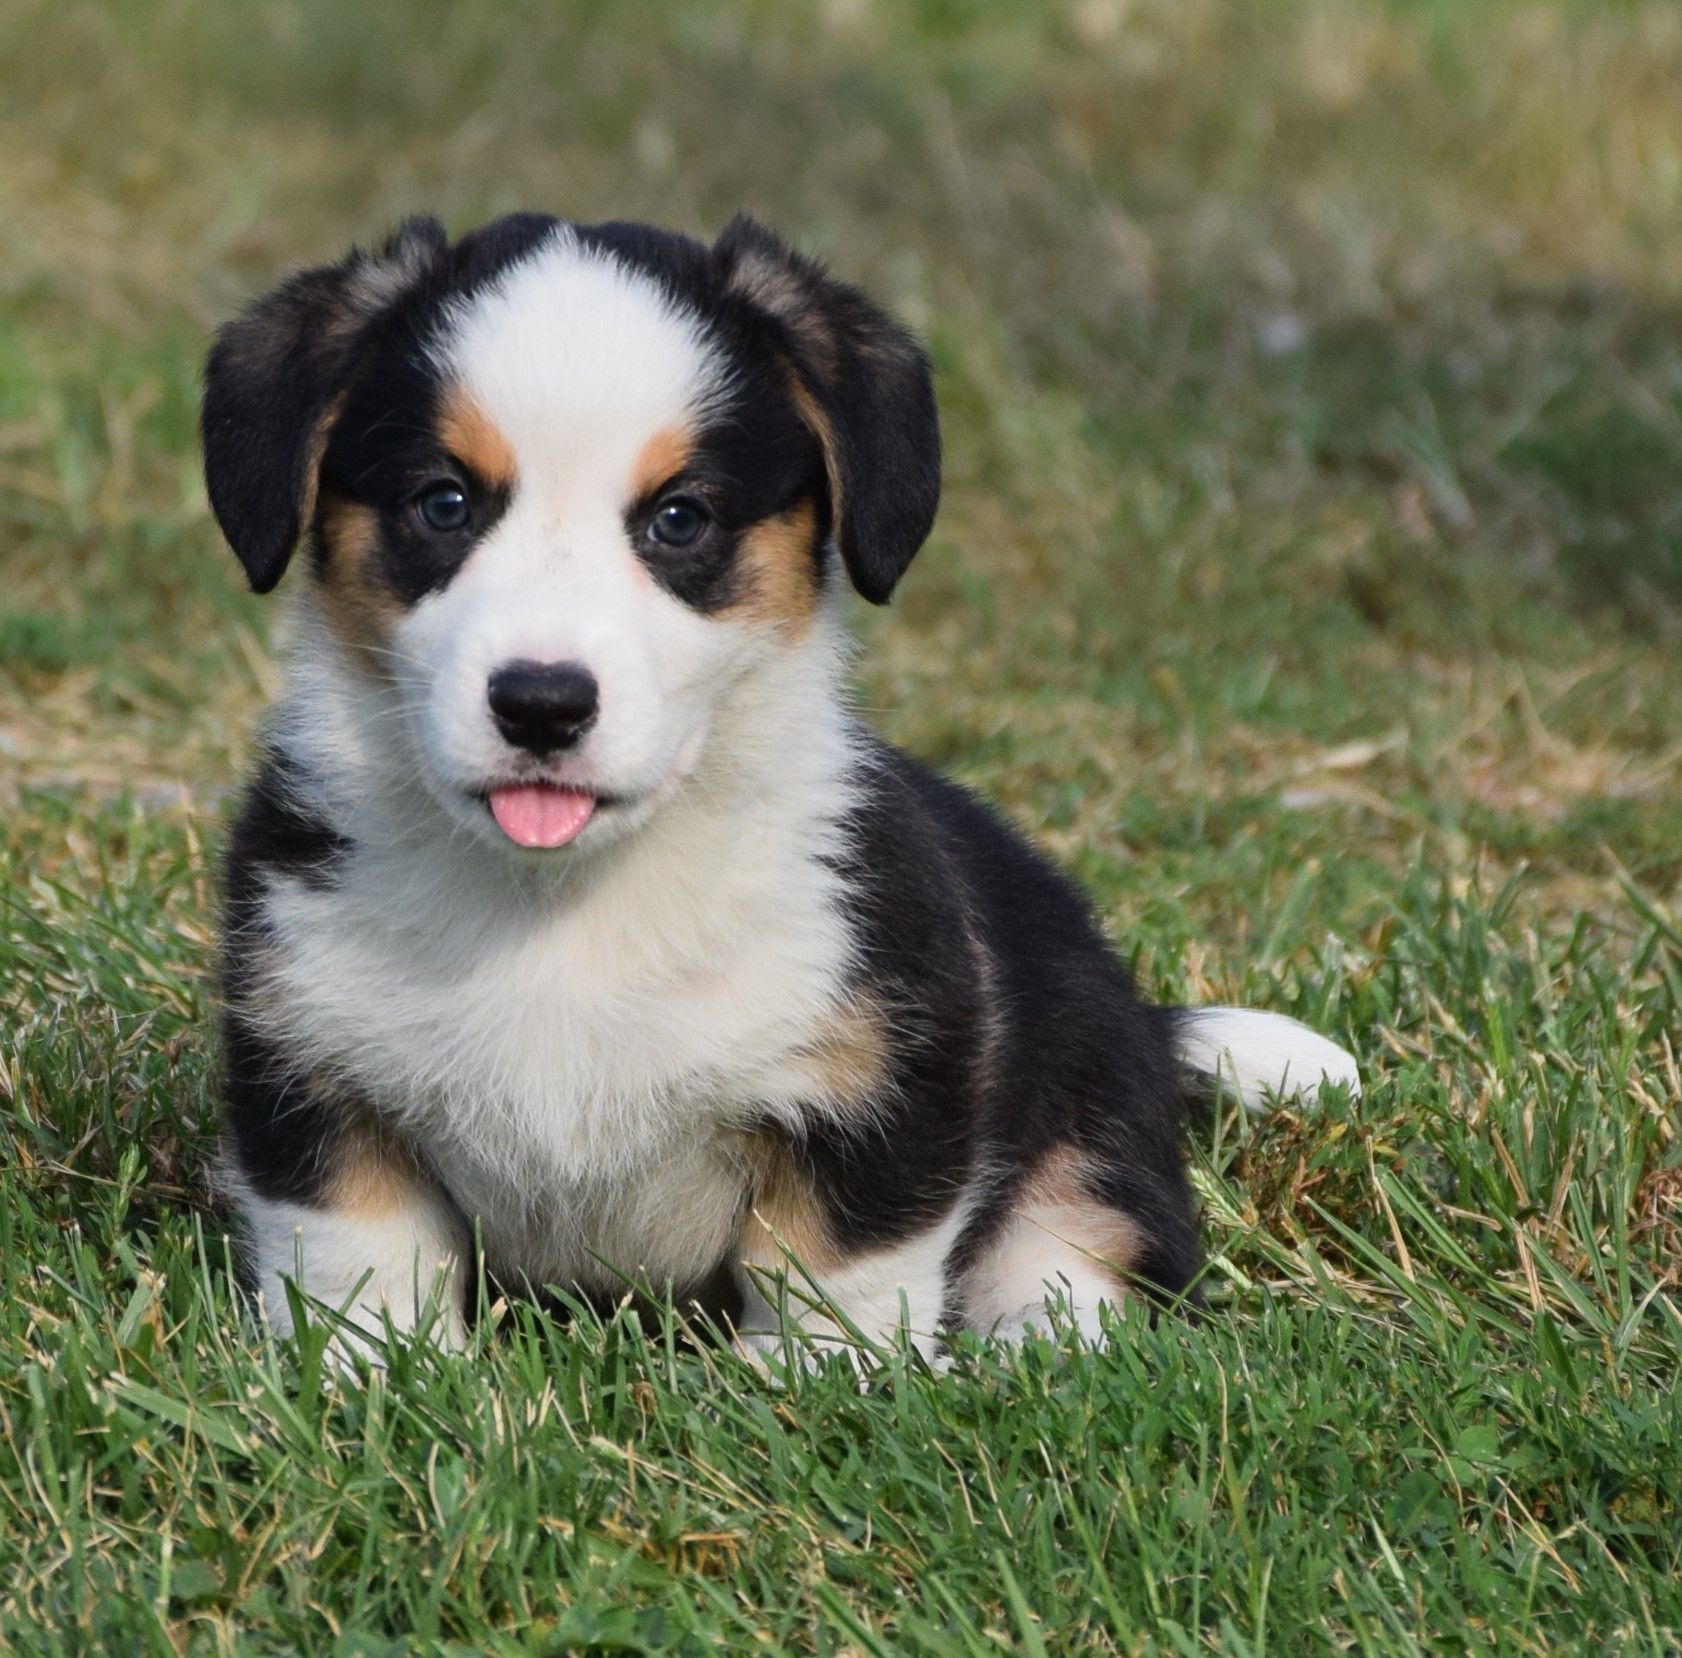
x,y
563,487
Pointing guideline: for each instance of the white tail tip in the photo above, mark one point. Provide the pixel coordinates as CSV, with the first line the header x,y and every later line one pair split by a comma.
x,y
1264,1058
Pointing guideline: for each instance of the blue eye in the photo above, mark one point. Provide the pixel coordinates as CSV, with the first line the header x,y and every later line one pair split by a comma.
x,y
678,522
443,507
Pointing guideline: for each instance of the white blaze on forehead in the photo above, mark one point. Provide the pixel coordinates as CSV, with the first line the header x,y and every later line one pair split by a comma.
x,y
578,359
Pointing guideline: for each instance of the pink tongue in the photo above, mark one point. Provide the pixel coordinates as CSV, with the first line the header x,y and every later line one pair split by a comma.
x,y
541,815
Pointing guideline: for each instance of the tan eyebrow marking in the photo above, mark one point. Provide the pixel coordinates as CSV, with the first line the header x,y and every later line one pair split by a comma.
x,y
662,457
475,440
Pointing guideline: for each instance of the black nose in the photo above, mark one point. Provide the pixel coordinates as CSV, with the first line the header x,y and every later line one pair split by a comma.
x,y
543,706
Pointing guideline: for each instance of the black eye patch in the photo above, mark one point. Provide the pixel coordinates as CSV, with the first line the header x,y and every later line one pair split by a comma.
x,y
751,462
386,451
685,537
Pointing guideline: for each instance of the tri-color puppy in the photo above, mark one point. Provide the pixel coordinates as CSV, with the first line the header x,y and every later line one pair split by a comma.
x,y
571,908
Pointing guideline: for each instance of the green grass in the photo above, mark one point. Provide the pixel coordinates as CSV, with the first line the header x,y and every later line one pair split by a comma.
x,y
1309,581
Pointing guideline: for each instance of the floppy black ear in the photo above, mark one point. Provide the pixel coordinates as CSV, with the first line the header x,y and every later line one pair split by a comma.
x,y
270,384
865,389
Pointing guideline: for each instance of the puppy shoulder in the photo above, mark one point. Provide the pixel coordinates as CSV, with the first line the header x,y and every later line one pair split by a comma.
x,y
912,815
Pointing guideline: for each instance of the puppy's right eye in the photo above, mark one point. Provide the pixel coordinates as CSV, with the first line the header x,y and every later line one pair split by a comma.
x,y
443,507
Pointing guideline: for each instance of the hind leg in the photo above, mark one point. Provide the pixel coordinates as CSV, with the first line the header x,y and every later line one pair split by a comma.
x,y
1033,1277
1067,1244
795,1275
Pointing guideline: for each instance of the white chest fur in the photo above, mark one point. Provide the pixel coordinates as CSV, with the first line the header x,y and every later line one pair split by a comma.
x,y
577,1057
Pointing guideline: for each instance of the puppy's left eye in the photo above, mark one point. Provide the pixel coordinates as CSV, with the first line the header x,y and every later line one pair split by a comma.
x,y
444,507
678,522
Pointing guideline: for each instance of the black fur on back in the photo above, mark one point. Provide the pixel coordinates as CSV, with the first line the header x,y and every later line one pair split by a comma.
x,y
1017,1030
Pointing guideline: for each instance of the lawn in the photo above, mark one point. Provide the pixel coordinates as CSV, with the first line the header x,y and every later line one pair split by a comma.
x,y
1309,581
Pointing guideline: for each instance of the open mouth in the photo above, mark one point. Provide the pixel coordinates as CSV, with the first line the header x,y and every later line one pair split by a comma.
x,y
541,816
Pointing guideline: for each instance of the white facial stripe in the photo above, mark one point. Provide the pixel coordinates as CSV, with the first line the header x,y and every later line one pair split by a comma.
x,y
579,360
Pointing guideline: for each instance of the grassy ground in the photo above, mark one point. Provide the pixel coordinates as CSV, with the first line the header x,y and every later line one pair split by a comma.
x,y
1309,580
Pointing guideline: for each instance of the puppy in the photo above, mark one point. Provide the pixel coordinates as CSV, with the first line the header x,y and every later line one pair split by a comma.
x,y
572,916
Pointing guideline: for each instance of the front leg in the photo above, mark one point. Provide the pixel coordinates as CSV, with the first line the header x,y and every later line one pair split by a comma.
x,y
331,1200
380,1242
336,1204
805,1271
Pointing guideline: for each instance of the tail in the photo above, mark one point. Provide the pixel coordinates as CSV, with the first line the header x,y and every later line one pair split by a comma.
x,y
1263,1058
